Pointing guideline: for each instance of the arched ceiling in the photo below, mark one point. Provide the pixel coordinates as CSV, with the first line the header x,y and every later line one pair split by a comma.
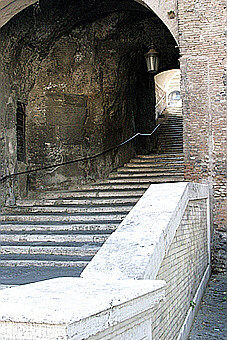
x,y
166,10
164,78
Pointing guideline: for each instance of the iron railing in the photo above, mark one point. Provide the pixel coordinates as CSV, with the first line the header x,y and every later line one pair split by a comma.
x,y
163,107
4,178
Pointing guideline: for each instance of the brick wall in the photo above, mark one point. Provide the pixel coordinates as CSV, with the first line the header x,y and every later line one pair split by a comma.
x,y
182,269
202,39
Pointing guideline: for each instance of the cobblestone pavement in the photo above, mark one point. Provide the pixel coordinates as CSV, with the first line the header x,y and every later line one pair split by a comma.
x,y
211,320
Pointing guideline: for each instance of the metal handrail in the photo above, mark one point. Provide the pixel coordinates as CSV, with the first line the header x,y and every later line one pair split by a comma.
x,y
164,96
4,178
157,114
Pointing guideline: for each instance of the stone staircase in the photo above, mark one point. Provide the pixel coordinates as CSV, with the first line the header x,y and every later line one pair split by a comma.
x,y
175,111
59,233
170,135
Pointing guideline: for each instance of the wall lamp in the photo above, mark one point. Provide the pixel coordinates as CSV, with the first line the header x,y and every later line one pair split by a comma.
x,y
152,60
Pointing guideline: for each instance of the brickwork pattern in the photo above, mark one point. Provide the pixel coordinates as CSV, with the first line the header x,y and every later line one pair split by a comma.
x,y
182,269
202,50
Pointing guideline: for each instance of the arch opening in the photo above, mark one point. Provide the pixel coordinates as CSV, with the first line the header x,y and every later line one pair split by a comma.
x,y
168,93
82,78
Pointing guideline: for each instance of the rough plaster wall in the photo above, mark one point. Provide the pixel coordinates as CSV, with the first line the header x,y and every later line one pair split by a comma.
x,y
202,40
182,269
79,105
53,53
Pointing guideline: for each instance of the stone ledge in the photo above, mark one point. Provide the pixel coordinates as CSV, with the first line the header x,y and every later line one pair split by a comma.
x,y
136,249
75,308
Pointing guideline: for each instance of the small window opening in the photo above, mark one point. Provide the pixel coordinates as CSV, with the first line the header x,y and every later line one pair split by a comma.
x,y
21,131
174,98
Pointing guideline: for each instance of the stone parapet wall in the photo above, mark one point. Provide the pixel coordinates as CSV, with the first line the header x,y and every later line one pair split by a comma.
x,y
144,283
166,236
79,309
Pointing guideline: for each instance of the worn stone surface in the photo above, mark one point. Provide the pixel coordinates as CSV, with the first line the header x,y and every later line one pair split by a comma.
x,y
137,248
79,309
210,322
165,236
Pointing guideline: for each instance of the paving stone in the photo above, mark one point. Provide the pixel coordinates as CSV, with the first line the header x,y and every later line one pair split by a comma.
x,y
210,322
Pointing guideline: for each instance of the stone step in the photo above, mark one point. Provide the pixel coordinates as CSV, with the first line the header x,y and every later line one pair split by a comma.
x,y
169,148
169,142
171,136
156,162
11,276
169,124
174,110
177,142
173,129
116,186
152,156
44,263
155,169
92,192
177,148
7,258
49,250
54,217
168,134
166,150
148,179
138,175
58,231
61,226
79,201
53,238
152,167
70,208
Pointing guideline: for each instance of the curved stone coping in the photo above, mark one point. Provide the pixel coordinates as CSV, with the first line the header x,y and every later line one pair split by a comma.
x,y
136,249
74,308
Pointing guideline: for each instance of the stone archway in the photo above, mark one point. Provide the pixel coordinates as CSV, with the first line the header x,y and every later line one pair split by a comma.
x,y
166,10
81,97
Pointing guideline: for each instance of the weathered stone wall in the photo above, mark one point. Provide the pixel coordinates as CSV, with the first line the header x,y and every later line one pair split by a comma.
x,y
182,269
201,29
84,82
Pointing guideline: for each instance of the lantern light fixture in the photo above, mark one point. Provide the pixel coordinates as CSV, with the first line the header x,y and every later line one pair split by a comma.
x,y
152,60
